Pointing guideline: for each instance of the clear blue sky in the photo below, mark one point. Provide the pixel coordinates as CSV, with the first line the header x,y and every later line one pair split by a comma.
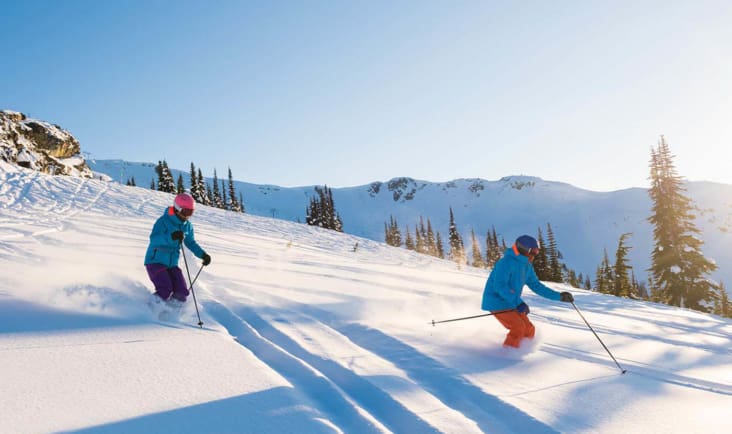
x,y
349,92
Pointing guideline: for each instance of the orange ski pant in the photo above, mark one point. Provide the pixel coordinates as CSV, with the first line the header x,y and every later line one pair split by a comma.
x,y
518,326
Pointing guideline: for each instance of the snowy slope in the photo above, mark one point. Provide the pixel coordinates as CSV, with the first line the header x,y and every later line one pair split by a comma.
x,y
302,334
584,222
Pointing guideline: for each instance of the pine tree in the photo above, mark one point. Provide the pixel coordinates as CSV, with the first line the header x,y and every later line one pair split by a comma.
x,y
165,178
431,243
588,283
477,256
493,250
225,202
722,306
241,203
678,266
195,191
604,276
553,254
235,205
321,210
622,285
409,242
571,277
439,246
457,249
541,261
180,187
152,185
419,236
203,196
159,173
394,235
216,200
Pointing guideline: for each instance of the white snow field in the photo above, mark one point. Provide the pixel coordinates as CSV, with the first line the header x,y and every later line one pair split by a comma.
x,y
302,334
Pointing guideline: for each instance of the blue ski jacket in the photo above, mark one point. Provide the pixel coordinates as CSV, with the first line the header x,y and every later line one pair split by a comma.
x,y
506,283
165,250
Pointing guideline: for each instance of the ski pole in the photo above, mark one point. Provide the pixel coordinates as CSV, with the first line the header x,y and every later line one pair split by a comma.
x,y
623,371
195,303
469,317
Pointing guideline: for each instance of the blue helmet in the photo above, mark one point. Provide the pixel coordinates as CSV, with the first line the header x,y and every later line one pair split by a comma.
x,y
527,245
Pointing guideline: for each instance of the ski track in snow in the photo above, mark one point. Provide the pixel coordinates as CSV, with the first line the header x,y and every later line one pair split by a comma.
x,y
637,368
488,412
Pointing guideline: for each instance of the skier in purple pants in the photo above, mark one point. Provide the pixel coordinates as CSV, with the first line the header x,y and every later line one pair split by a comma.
x,y
163,252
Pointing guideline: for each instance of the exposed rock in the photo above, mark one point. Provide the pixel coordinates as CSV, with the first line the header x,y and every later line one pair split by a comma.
x,y
39,145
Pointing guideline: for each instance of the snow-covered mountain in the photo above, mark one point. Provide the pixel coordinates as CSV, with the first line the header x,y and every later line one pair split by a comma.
x,y
584,222
303,334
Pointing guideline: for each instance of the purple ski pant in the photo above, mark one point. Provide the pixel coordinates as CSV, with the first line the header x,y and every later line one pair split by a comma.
x,y
168,281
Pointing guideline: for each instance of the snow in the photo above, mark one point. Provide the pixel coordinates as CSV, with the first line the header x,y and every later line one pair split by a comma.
x,y
301,334
585,223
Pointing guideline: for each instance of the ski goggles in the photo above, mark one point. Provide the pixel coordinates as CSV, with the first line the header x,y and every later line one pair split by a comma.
x,y
186,212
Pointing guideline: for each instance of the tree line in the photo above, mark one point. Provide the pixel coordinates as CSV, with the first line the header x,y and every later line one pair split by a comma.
x,y
218,193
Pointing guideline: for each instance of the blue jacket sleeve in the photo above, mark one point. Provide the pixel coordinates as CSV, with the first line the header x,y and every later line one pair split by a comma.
x,y
533,282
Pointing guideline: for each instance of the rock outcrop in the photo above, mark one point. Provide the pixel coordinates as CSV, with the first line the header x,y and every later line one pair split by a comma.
x,y
39,145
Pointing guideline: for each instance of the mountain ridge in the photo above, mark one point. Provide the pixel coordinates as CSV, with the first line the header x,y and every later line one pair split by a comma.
x,y
584,222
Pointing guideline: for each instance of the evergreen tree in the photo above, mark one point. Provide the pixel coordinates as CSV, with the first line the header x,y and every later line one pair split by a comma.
x,y
216,200
392,235
180,187
131,182
420,236
195,191
571,277
622,285
457,249
409,242
431,243
321,211
201,189
541,261
241,203
493,251
588,283
553,254
152,185
235,204
225,202
722,306
165,178
678,266
159,173
477,256
210,195
604,277
439,246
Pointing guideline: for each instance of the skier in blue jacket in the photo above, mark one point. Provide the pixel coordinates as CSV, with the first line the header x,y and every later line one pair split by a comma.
x,y
161,260
502,293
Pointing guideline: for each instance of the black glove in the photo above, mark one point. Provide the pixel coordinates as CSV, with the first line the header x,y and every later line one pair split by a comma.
x,y
566,297
523,308
177,235
206,259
